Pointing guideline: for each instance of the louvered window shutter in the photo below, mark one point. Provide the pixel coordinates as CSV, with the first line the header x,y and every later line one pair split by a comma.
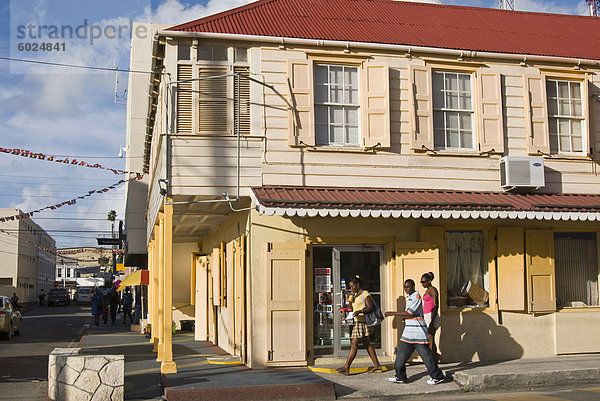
x,y
421,97
184,96
490,106
536,119
376,105
213,117
241,111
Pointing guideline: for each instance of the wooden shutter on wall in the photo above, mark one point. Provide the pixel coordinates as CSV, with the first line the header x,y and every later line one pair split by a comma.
x,y
286,303
201,298
215,267
511,269
491,125
301,118
540,270
536,114
213,110
421,97
184,100
241,87
376,105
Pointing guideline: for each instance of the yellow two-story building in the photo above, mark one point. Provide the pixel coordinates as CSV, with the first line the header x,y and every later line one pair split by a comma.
x,y
290,145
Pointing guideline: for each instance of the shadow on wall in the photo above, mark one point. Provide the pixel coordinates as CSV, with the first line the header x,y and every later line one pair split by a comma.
x,y
476,336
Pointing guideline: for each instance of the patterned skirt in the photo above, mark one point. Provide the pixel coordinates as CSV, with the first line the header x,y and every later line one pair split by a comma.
x,y
361,330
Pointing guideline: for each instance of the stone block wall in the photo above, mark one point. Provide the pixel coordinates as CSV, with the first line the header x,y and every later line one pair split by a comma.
x,y
72,376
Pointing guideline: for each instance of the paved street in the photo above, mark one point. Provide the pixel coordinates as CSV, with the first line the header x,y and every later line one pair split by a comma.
x,y
574,393
24,360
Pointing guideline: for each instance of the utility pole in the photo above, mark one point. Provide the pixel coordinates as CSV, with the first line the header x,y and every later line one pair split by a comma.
x,y
506,4
594,7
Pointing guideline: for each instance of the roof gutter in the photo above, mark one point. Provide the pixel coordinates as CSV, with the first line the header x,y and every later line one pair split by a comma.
x,y
374,46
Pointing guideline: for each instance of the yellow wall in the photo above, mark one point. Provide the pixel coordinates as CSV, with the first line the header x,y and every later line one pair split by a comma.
x,y
183,310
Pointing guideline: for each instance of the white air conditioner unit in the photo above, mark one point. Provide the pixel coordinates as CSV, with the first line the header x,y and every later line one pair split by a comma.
x,y
516,172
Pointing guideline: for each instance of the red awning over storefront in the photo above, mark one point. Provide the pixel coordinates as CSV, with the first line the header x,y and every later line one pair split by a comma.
x,y
391,202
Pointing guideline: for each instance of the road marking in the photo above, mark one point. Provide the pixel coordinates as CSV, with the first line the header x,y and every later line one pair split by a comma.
x,y
54,316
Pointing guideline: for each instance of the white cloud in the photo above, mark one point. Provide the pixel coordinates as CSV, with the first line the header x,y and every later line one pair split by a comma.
x,y
555,7
174,12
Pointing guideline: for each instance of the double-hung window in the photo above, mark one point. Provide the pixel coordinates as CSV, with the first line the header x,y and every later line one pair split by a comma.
x,y
337,105
453,110
565,116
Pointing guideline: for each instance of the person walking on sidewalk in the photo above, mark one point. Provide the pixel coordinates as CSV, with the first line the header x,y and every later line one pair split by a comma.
x,y
42,297
430,312
361,302
97,306
15,300
113,302
127,302
414,337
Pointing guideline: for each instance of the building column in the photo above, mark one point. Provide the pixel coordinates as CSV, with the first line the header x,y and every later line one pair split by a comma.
x,y
161,287
168,365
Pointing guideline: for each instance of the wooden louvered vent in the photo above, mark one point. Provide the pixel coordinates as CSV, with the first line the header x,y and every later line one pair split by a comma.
x,y
242,86
185,97
212,97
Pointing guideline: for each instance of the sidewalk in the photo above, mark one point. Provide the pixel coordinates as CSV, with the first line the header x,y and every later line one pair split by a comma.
x,y
204,372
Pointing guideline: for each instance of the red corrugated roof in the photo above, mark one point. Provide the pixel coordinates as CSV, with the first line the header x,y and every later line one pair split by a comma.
x,y
402,199
414,24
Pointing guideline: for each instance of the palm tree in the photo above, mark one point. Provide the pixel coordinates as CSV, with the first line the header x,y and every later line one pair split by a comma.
x,y
112,216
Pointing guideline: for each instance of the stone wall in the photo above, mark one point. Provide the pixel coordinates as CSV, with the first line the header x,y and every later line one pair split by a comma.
x,y
72,376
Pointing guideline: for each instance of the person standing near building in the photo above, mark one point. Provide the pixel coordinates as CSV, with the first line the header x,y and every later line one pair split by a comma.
x,y
414,337
15,300
42,297
97,306
127,302
113,302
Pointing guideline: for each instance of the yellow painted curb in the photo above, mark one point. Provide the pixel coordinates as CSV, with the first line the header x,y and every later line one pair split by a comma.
x,y
352,370
224,362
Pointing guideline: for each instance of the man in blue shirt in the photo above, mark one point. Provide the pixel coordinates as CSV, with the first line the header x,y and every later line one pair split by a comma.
x,y
414,337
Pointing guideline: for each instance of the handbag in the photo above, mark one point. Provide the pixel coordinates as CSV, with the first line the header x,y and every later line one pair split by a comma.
x,y
375,317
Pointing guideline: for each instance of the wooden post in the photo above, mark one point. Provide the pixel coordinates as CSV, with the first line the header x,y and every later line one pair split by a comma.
x,y
168,365
161,286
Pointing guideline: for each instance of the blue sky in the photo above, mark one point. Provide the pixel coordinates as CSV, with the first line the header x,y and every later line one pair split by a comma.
x,y
72,112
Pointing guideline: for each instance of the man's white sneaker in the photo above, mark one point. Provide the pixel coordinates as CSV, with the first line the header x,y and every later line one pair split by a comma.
x,y
396,380
435,381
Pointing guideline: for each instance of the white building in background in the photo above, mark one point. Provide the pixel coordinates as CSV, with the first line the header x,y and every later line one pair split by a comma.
x,y
28,257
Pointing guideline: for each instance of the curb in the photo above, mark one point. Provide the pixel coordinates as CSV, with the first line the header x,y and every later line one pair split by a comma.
x,y
384,368
474,382
305,391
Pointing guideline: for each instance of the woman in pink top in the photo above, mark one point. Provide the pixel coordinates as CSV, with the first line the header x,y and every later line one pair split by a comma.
x,y
430,311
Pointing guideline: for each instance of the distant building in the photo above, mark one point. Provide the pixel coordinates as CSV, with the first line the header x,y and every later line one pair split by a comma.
x,y
28,259
76,264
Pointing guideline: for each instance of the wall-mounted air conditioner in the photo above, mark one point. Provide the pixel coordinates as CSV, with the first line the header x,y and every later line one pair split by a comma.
x,y
516,172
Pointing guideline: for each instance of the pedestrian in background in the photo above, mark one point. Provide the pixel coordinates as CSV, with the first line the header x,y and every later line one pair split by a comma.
x,y
127,302
431,307
15,300
97,306
113,302
414,337
42,297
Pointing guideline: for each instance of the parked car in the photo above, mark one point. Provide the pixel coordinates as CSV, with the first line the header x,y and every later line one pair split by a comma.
x,y
84,296
57,296
10,318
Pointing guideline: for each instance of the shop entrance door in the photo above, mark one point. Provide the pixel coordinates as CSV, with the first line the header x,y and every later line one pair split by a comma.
x,y
333,268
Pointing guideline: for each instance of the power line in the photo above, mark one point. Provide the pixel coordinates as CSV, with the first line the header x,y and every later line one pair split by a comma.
x,y
85,67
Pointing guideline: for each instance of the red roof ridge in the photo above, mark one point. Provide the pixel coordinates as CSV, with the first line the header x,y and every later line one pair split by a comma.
x,y
261,3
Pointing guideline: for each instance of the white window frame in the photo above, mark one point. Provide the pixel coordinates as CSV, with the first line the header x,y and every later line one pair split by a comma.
x,y
445,111
554,138
345,106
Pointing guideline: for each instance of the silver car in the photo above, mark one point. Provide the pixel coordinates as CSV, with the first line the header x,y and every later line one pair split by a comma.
x,y
10,318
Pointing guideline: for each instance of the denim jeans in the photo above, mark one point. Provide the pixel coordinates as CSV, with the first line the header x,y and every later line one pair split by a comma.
x,y
405,350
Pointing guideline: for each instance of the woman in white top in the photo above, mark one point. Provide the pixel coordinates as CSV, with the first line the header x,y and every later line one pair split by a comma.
x,y
361,302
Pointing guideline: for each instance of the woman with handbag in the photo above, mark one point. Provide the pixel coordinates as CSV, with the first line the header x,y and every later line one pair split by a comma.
x,y
362,303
